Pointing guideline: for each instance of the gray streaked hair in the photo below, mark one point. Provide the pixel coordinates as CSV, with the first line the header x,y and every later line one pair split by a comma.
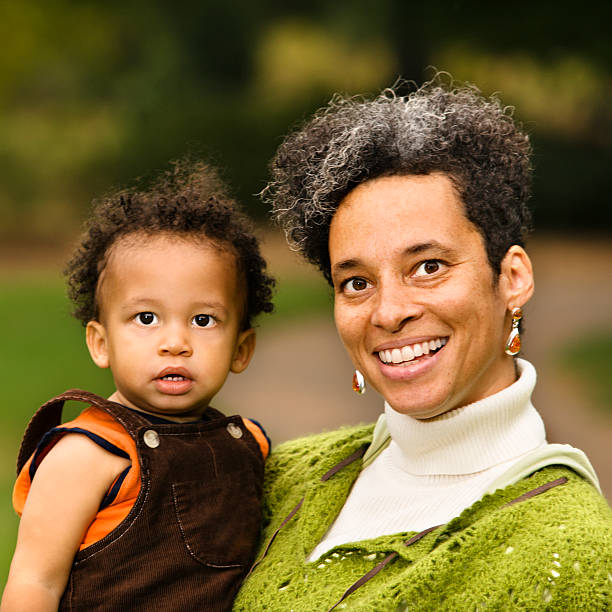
x,y
438,127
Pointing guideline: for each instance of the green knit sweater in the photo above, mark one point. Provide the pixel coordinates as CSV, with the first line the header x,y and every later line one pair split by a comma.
x,y
552,551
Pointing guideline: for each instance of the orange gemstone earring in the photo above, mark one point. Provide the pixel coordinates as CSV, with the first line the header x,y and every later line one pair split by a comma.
x,y
513,344
359,385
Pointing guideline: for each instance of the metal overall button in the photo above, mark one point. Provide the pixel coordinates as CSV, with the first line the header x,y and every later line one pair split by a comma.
x,y
234,430
151,438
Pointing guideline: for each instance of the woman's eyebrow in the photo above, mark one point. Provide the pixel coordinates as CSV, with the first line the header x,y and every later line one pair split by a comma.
x,y
347,264
414,249
422,247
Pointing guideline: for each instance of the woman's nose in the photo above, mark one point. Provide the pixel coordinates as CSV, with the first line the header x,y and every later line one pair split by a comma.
x,y
393,307
175,342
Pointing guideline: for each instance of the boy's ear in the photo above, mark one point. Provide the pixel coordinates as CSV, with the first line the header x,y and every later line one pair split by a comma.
x,y
95,336
244,351
516,277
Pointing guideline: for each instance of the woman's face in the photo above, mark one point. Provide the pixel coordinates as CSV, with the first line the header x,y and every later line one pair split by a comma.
x,y
416,302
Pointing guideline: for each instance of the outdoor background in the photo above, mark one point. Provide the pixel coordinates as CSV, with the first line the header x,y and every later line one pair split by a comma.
x,y
94,94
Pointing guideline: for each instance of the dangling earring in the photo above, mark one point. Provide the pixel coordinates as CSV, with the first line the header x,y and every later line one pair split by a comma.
x,y
513,344
359,385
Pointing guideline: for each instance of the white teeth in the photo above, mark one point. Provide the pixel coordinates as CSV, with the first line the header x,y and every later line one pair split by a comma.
x,y
409,352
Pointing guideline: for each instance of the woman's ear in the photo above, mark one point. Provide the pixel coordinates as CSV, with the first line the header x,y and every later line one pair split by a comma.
x,y
95,336
244,351
516,277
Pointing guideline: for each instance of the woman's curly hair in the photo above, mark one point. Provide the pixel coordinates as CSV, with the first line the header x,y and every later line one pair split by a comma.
x,y
188,200
438,127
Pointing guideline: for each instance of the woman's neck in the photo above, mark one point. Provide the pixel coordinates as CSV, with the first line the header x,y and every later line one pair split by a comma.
x,y
471,438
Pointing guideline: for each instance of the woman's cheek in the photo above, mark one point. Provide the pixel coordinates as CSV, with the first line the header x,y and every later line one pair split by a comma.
x,y
346,324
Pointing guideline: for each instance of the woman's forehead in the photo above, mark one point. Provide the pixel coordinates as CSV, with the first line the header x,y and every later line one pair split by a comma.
x,y
404,212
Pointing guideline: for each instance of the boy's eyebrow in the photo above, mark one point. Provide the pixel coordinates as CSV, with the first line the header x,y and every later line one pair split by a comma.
x,y
152,302
213,305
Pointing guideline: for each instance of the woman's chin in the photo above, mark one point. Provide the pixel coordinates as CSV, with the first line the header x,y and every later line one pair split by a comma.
x,y
418,388
419,410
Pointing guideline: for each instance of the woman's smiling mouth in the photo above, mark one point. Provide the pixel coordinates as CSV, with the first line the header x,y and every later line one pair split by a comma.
x,y
410,352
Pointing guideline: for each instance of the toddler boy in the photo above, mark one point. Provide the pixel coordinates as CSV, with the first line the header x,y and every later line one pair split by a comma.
x,y
150,499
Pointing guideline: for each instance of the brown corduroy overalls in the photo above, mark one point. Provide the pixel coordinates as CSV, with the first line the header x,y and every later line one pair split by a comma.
x,y
191,535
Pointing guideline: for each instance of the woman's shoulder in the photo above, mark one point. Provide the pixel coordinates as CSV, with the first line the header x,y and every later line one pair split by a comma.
x,y
558,489
555,505
552,530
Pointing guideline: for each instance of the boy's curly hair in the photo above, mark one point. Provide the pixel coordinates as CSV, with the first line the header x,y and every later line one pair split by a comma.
x,y
188,200
439,127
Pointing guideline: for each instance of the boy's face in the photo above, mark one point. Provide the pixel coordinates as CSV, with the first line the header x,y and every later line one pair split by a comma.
x,y
170,323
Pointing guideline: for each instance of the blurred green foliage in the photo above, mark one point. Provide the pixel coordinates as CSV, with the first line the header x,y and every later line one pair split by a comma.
x,y
589,361
94,94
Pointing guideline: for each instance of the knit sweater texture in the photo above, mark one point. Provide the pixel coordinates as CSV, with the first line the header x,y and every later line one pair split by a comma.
x,y
552,551
429,472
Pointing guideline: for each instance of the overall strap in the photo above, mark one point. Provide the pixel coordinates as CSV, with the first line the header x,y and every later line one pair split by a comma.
x,y
49,415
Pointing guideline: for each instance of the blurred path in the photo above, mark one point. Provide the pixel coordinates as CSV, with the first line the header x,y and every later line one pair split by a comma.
x,y
573,296
300,379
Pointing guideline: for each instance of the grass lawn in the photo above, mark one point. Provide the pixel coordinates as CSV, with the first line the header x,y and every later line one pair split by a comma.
x,y
44,354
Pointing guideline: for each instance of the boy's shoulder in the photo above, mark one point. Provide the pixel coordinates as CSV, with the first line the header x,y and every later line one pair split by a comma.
x,y
98,423
92,416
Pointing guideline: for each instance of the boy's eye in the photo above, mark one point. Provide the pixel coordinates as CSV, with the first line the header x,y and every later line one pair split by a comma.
x,y
146,318
431,266
203,320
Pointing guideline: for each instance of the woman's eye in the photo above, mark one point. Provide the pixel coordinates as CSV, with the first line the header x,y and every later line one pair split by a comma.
x,y
353,285
203,320
146,318
431,266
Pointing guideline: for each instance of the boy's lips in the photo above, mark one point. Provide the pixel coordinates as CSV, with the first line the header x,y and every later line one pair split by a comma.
x,y
174,381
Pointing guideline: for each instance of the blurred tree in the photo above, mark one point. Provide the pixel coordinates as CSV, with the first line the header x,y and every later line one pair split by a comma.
x,y
95,93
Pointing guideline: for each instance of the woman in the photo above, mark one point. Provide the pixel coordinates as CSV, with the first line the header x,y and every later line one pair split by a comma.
x,y
414,208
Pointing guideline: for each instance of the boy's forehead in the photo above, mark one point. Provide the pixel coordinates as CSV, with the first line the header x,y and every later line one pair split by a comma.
x,y
146,257
145,241
163,246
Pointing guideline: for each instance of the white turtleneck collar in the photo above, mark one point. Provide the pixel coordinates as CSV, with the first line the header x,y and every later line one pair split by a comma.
x,y
422,473
472,438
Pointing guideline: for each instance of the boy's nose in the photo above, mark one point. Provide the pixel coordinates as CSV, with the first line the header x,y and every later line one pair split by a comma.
x,y
175,348
175,344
